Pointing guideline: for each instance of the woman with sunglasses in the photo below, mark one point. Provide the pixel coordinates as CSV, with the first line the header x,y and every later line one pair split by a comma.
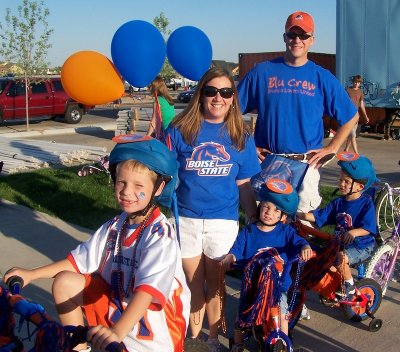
x,y
217,157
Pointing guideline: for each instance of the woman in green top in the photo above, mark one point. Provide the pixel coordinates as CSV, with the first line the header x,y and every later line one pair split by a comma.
x,y
163,105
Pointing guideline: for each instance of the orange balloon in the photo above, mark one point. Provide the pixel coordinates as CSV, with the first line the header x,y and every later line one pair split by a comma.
x,y
91,78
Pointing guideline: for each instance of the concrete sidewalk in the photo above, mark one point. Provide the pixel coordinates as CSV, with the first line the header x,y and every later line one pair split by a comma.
x,y
30,238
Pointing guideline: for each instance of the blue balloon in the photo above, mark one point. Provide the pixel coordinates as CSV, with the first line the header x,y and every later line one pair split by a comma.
x,y
138,51
189,52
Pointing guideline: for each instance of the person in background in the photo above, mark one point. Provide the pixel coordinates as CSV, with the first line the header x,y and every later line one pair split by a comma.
x,y
217,157
291,95
357,97
163,107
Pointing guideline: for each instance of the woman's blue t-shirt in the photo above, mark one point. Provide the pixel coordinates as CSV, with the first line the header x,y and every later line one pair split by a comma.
x,y
209,170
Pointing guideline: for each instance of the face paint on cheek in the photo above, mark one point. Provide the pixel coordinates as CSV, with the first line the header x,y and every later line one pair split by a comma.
x,y
141,195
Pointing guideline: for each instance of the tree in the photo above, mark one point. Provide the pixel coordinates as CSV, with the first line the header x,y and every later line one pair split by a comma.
x,y
162,22
25,41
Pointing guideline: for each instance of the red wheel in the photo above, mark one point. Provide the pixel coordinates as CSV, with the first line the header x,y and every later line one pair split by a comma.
x,y
373,291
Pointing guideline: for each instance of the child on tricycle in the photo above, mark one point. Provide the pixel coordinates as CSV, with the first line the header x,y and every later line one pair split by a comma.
x,y
278,201
353,215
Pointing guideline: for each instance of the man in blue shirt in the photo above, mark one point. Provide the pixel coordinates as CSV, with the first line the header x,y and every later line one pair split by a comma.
x,y
291,95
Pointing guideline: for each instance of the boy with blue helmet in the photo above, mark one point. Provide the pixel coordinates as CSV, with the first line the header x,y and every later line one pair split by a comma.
x,y
353,214
278,201
128,276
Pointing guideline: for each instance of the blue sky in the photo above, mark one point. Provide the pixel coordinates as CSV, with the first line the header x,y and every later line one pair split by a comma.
x,y
233,26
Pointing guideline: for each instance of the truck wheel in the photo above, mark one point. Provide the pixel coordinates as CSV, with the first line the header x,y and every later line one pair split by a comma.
x,y
73,114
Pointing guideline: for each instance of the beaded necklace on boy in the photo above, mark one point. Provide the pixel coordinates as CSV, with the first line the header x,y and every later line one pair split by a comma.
x,y
121,236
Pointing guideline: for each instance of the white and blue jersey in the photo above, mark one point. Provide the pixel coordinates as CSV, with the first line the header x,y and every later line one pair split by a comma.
x,y
291,102
208,172
347,215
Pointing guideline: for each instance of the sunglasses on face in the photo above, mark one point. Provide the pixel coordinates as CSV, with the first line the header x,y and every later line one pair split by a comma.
x,y
293,35
210,91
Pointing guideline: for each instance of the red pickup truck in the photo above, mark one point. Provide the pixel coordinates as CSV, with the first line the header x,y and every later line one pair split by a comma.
x,y
46,98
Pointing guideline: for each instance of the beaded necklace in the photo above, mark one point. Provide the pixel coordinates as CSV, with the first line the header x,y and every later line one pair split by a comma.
x,y
121,235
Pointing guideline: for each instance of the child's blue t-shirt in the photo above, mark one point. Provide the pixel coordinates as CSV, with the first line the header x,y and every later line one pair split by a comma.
x,y
283,238
347,215
208,172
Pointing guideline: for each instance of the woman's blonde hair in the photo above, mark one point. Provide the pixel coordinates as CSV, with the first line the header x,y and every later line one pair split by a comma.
x,y
190,119
158,86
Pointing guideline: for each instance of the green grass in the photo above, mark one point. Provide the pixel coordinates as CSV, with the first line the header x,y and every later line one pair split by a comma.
x,y
86,201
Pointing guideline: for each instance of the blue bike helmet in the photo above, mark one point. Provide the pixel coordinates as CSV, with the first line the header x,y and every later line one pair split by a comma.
x,y
358,167
151,153
280,193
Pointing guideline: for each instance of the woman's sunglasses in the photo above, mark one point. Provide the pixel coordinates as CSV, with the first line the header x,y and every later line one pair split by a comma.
x,y
293,35
210,91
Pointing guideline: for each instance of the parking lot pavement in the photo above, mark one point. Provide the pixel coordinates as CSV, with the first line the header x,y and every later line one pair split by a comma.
x,y
384,154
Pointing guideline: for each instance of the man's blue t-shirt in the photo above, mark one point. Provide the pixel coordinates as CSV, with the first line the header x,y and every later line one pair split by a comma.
x,y
291,102
283,238
209,170
347,215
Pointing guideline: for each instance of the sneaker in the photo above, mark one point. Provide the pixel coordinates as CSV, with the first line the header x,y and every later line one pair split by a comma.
x,y
237,347
305,314
349,291
214,345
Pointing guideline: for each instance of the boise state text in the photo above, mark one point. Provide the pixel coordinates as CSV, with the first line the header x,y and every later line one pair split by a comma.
x,y
207,160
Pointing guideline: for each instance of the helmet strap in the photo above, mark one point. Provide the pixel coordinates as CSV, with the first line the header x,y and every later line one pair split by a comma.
x,y
351,189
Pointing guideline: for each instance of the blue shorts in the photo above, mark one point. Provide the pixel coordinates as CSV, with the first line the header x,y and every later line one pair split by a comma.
x,y
357,256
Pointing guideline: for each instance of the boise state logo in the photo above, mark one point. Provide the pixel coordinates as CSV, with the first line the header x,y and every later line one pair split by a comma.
x,y
208,160
344,223
279,186
347,156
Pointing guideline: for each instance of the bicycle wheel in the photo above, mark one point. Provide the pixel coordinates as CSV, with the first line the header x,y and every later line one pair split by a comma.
x,y
384,212
278,343
395,133
371,289
394,128
378,265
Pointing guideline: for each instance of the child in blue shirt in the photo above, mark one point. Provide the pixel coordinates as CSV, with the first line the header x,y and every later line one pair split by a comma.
x,y
353,215
270,231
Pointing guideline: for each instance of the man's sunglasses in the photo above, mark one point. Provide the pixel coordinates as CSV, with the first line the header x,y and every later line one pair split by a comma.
x,y
210,91
293,35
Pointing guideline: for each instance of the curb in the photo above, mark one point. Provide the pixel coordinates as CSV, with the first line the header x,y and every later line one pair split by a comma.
x,y
57,131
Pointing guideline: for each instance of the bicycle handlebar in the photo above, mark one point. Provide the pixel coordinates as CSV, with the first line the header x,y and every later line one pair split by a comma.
x,y
79,335
305,230
15,284
239,265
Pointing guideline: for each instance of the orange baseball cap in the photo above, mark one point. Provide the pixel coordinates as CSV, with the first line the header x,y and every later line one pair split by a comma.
x,y
300,19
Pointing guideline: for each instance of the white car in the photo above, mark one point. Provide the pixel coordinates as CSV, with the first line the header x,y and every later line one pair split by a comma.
x,y
129,88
